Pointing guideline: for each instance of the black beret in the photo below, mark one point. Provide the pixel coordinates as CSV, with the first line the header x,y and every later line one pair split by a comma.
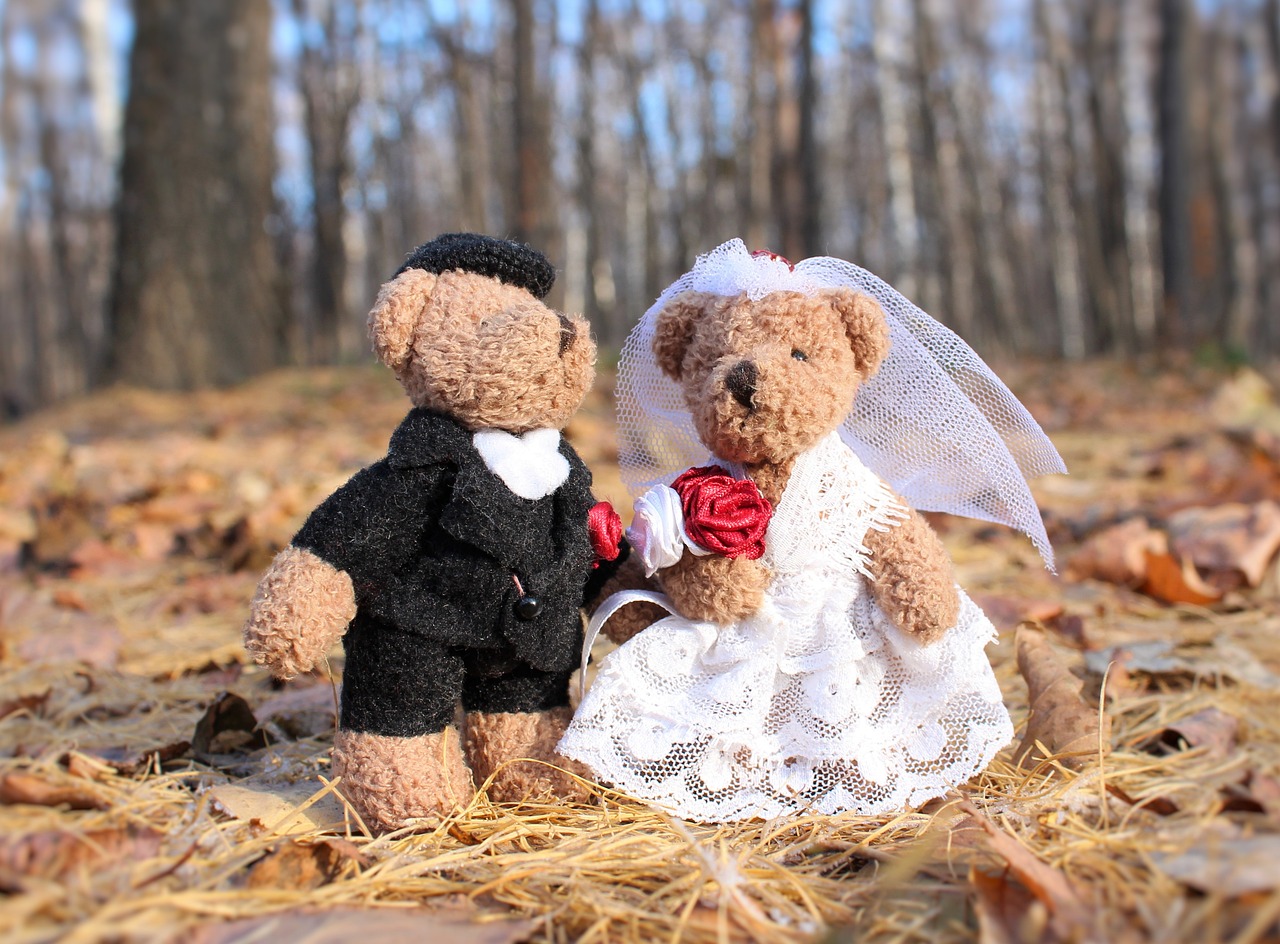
x,y
510,262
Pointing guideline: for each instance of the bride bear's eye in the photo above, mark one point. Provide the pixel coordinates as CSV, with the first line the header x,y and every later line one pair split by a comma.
x,y
799,354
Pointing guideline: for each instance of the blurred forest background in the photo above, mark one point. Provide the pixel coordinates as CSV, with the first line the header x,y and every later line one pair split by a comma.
x,y
192,193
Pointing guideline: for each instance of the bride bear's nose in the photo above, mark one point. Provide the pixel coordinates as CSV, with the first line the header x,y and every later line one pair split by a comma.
x,y
741,382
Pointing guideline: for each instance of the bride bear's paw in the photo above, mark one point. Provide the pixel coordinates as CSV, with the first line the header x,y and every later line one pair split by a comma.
x,y
717,589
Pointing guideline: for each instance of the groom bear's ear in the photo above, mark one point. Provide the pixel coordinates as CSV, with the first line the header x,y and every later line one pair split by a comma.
x,y
395,314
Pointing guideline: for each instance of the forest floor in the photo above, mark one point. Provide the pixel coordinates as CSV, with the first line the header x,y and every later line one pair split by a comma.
x,y
155,787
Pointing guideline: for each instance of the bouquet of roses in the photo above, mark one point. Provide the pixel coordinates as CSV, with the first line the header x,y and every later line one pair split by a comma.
x,y
704,511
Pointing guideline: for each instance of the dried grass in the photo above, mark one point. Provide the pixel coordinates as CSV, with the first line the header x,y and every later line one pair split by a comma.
x,y
1059,854
619,870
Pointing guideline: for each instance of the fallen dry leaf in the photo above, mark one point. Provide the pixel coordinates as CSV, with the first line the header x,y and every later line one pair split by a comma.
x,y
128,761
1007,913
63,523
1172,582
302,710
343,925
55,854
1231,540
1161,806
1006,612
1226,865
1069,917
152,541
1246,400
282,807
94,642
227,725
1158,657
31,704
1262,791
1211,729
37,791
1059,719
1118,554
295,864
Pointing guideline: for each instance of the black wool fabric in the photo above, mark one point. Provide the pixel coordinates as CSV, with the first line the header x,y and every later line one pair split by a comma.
x,y
507,261
432,540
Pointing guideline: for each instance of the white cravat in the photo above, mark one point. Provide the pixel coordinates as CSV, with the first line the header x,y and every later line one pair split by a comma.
x,y
530,464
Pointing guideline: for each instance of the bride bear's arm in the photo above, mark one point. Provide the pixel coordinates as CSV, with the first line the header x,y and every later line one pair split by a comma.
x,y
912,579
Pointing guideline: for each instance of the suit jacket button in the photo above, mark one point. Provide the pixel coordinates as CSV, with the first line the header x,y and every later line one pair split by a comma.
x,y
528,607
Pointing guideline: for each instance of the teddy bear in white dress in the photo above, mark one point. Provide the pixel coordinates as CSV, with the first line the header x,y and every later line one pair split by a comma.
x,y
818,655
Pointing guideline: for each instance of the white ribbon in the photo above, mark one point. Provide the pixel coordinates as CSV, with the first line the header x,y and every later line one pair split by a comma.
x,y
601,616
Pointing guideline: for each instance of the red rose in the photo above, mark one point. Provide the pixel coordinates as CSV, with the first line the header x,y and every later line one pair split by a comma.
x,y
605,528
725,515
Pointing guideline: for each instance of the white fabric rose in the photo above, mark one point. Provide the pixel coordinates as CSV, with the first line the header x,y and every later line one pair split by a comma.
x,y
657,530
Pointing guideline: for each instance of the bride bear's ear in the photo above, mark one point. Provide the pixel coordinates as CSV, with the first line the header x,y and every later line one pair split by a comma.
x,y
674,330
866,326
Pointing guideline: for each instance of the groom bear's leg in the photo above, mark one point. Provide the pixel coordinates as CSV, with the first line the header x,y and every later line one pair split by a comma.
x,y
520,714
397,750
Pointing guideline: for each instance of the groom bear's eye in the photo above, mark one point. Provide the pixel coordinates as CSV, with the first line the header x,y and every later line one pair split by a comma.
x,y
799,354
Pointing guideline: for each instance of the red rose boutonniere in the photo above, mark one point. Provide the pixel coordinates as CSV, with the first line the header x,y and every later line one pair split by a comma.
x,y
605,528
722,514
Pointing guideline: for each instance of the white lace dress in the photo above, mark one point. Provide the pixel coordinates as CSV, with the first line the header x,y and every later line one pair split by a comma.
x,y
814,703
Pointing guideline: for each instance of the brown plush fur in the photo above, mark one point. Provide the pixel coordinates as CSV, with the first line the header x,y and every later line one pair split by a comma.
x,y
497,742
716,588
912,578
804,357
301,608
394,316
391,781
487,353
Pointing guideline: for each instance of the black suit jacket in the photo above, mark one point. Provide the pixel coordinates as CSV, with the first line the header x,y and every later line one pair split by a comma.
x,y
432,539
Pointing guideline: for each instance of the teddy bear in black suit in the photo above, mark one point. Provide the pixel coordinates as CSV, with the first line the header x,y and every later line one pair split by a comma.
x,y
456,565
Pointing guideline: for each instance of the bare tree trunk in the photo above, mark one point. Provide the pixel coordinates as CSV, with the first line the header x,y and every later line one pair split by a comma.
x,y
1139,159
786,172
532,183
1175,171
196,298
760,129
16,357
939,123
1239,251
64,367
640,163
890,28
1051,112
996,242
1264,170
587,177
1271,29
810,226
795,159
330,91
468,122
100,68
1099,190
